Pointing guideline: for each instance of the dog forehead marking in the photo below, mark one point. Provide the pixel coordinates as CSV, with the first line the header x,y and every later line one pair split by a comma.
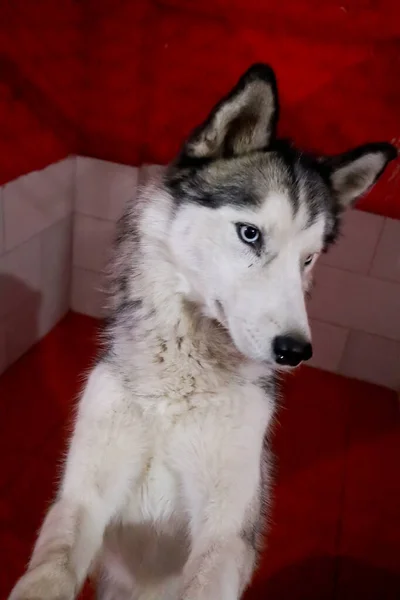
x,y
276,212
280,222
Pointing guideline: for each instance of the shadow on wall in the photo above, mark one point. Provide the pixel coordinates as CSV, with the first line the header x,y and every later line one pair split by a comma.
x,y
20,306
327,578
34,405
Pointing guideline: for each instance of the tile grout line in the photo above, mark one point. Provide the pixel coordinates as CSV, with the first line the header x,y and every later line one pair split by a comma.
x,y
375,251
360,274
345,347
31,236
339,369
94,217
12,311
35,235
355,329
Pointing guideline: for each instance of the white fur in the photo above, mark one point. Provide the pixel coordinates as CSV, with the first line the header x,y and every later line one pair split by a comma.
x,y
174,443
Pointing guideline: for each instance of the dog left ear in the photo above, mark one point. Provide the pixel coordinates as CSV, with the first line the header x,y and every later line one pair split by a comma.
x,y
353,173
242,122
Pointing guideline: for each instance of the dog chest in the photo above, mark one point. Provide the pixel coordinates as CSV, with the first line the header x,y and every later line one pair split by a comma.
x,y
204,464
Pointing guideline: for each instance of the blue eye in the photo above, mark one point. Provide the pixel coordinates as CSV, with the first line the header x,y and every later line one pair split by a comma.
x,y
248,233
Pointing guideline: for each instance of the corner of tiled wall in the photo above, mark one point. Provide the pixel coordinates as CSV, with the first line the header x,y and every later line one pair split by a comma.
x,y
35,256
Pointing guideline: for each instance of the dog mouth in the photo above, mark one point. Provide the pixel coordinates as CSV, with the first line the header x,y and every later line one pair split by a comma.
x,y
283,352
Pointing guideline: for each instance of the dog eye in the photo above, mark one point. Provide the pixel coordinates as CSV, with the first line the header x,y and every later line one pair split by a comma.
x,y
248,233
308,260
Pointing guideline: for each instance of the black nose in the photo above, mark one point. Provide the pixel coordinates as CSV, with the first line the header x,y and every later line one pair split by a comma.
x,y
290,350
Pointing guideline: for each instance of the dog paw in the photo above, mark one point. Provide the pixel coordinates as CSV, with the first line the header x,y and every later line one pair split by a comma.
x,y
44,582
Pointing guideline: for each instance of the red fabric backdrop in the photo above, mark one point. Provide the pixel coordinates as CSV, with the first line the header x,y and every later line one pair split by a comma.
x,y
125,80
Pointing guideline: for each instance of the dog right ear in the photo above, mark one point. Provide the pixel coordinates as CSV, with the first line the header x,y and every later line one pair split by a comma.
x,y
244,121
352,174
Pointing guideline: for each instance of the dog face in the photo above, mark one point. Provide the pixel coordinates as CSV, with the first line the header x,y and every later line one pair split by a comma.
x,y
252,216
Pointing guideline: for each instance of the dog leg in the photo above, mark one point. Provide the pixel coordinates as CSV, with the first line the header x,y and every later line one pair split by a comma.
x,y
104,458
223,572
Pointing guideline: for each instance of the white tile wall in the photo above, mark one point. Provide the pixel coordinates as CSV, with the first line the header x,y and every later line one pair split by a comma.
x,y
20,275
102,191
357,243
103,188
56,254
357,302
148,172
386,263
36,201
93,239
372,358
21,329
35,256
20,298
88,294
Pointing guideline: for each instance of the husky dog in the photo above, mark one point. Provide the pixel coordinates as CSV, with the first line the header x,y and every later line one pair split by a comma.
x,y
168,468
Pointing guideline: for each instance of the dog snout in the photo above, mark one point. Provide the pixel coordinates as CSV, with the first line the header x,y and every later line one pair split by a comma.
x,y
290,350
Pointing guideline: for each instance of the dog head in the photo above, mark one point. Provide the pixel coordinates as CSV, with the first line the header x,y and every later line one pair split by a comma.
x,y
252,216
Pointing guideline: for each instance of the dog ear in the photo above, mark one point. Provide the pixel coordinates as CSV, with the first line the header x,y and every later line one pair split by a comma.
x,y
242,122
353,173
